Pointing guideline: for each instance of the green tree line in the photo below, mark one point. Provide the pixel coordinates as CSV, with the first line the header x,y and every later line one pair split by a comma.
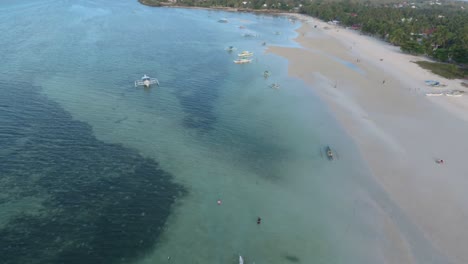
x,y
440,32
437,31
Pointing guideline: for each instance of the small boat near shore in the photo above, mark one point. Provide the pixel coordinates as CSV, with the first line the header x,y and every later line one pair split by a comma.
x,y
249,35
223,20
434,94
454,94
242,61
245,54
275,86
434,83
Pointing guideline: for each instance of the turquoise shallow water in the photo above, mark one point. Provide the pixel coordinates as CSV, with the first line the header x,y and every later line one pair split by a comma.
x,y
117,174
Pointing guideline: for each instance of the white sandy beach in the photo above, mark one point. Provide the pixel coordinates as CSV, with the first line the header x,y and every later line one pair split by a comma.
x,y
378,95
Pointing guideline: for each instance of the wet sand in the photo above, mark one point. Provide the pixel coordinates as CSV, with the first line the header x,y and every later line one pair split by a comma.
x,y
378,94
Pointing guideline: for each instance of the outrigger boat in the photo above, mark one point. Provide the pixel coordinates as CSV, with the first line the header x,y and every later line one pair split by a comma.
x,y
242,61
454,94
146,81
241,260
275,86
249,35
245,54
329,153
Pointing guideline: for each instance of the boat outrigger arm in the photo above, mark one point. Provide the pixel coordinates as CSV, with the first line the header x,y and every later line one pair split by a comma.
x,y
146,81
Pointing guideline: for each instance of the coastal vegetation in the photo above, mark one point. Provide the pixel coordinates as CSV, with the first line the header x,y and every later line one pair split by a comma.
x,y
438,30
150,2
449,71
432,29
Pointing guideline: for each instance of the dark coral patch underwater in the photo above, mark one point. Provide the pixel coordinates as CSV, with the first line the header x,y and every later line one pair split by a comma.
x,y
99,202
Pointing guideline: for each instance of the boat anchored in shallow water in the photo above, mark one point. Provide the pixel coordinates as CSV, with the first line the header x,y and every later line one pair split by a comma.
x,y
329,153
454,94
274,86
146,81
242,61
245,54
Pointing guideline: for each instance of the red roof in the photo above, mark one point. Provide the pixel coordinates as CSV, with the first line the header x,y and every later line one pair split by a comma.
x,y
429,31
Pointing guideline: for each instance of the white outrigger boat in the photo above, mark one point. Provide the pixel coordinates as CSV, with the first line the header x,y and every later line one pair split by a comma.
x,y
434,94
245,54
454,94
242,61
146,81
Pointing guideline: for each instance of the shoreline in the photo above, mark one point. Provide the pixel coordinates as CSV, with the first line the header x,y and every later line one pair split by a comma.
x,y
220,8
362,79
377,94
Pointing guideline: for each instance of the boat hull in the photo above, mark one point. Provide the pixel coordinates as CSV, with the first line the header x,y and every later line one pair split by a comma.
x,y
242,61
329,153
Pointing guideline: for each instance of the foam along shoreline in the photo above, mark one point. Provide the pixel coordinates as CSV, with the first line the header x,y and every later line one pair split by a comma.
x,y
379,95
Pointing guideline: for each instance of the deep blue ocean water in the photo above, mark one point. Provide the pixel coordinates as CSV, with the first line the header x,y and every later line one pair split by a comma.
x,y
94,170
